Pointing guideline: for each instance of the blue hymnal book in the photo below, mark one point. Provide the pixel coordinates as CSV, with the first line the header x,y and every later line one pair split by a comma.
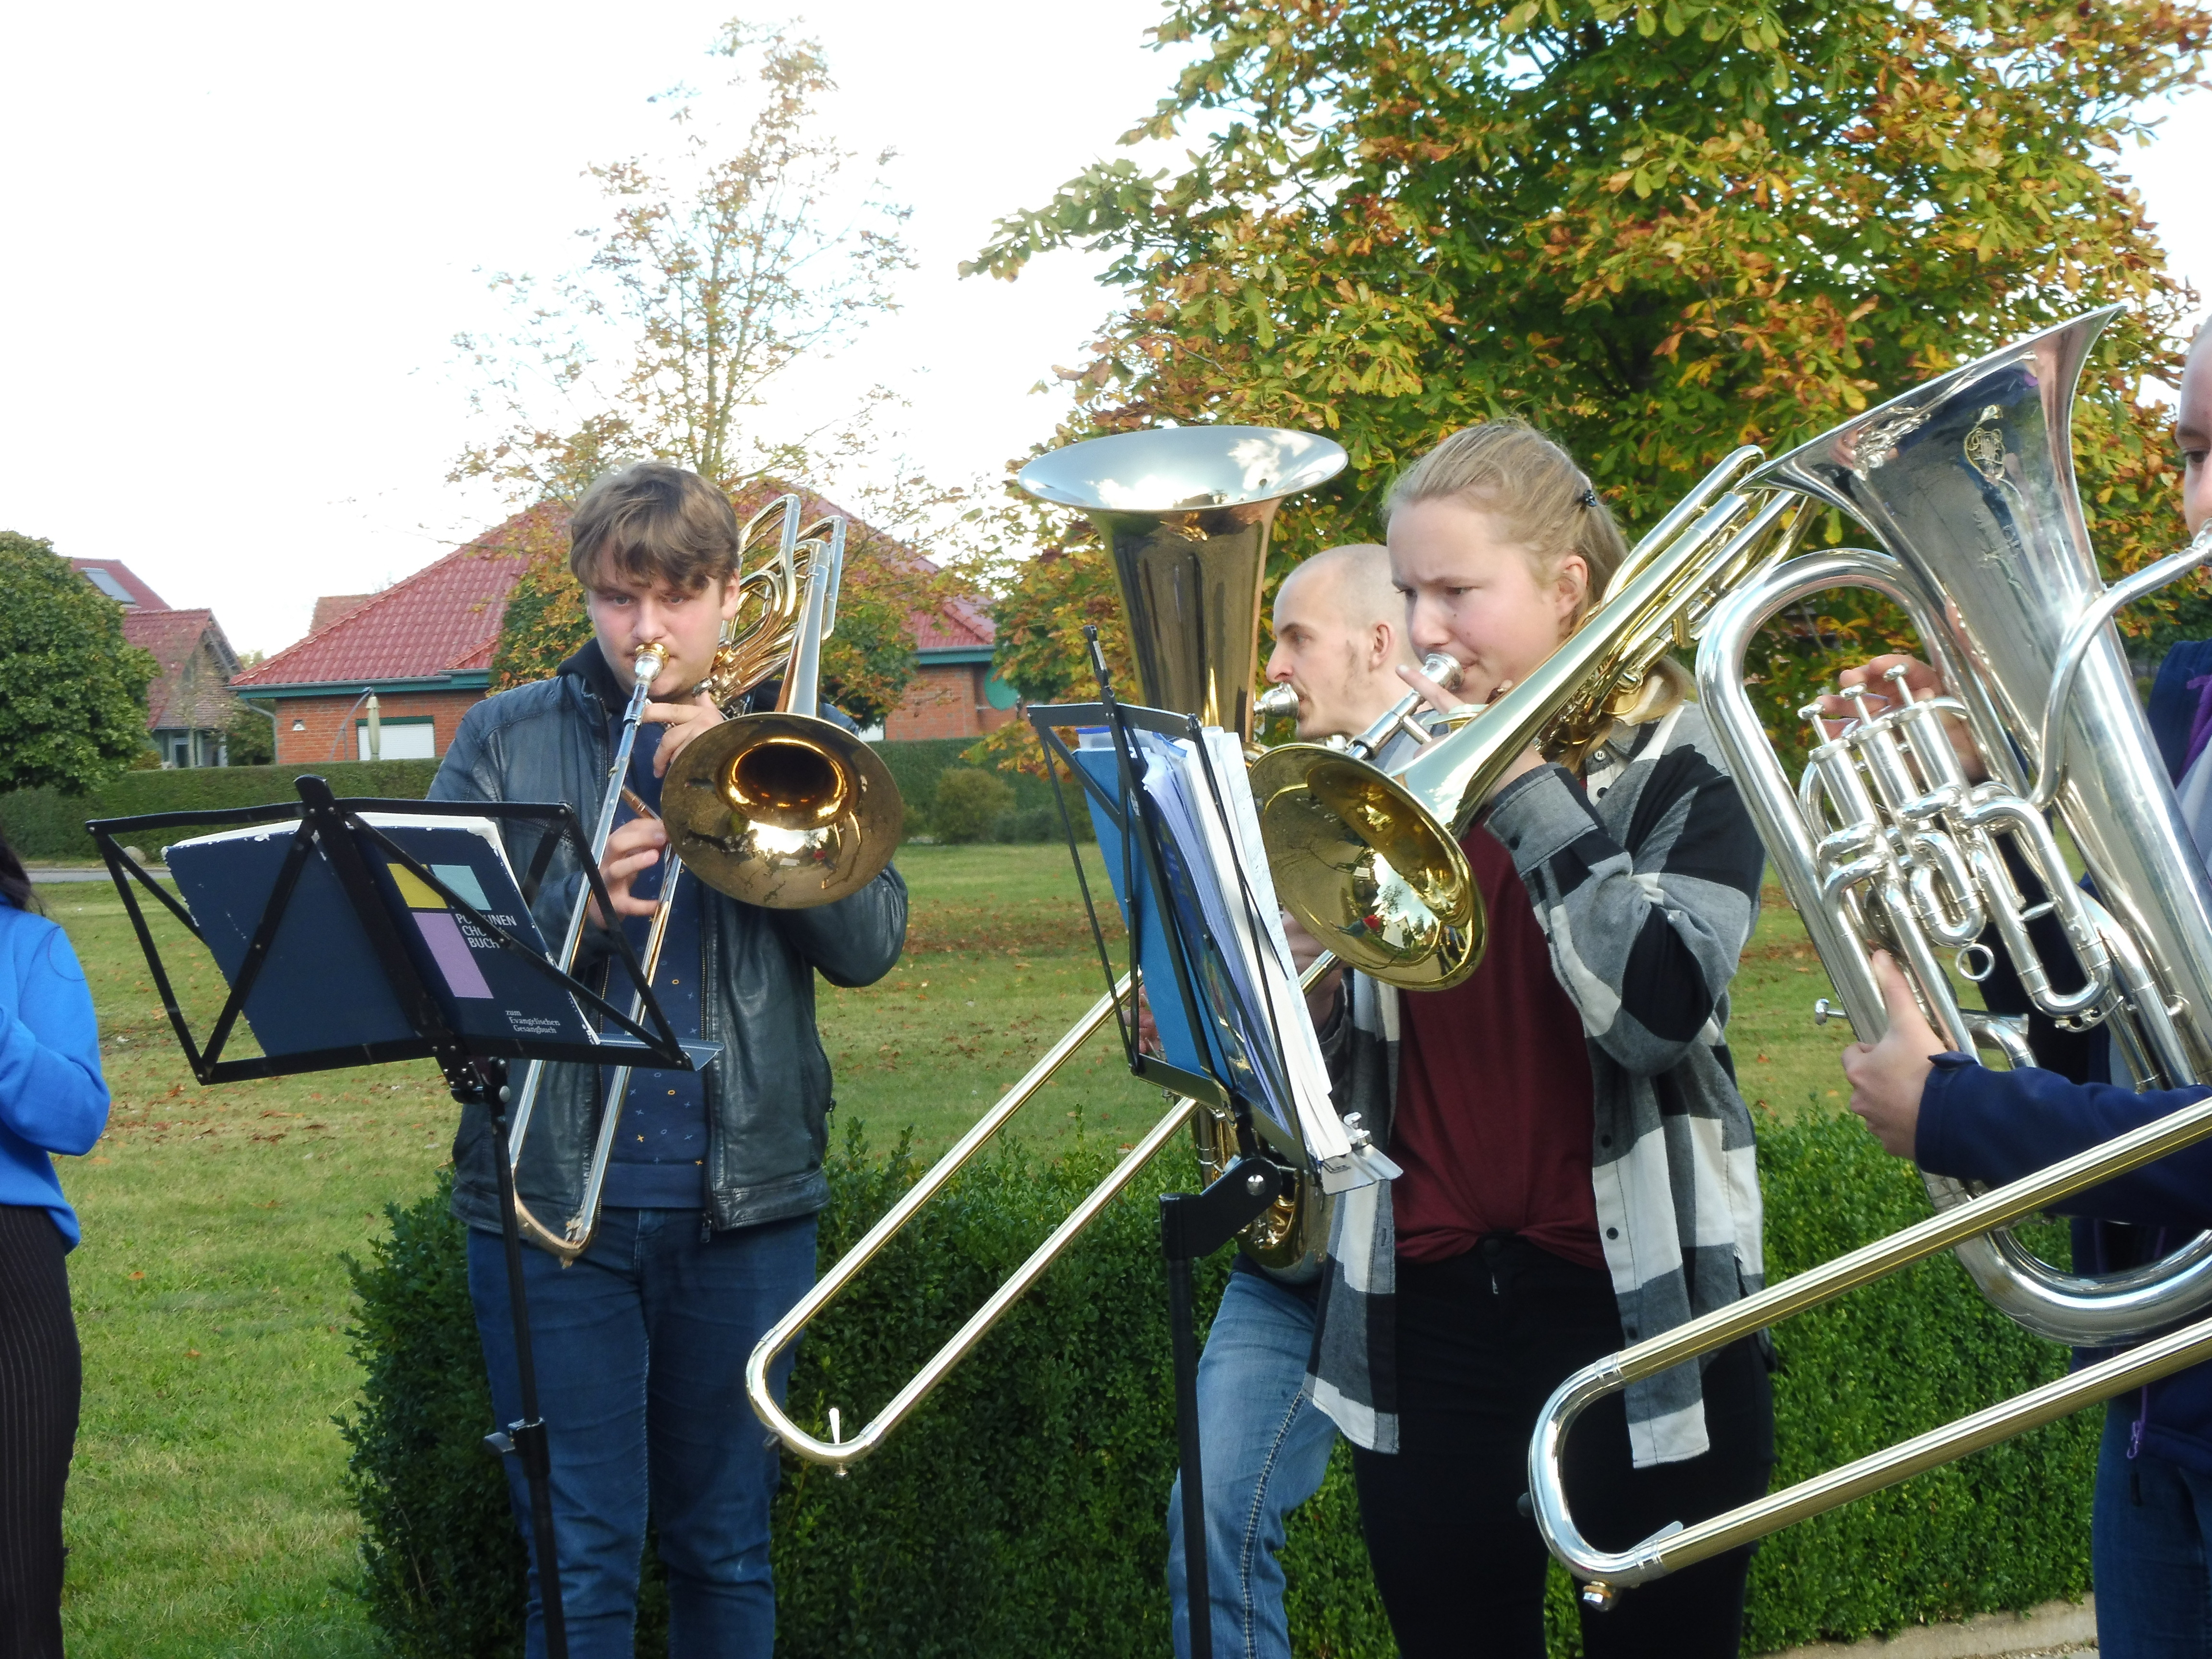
x,y
322,986
1178,1045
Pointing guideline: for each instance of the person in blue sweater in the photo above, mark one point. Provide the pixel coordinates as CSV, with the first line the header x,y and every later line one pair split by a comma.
x,y
2153,1502
52,1099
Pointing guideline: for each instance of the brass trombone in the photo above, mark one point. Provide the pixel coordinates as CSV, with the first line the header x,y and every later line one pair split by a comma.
x,y
783,810
1185,513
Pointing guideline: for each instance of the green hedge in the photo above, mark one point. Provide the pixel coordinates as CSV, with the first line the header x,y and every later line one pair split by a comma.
x,y
45,824
916,764
1021,1511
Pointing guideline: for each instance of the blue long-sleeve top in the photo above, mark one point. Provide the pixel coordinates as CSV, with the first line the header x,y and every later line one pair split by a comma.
x,y
1978,1124
53,1097
1998,1126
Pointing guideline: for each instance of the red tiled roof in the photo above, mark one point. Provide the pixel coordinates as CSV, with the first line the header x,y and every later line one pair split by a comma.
x,y
116,571
445,619
957,625
442,619
173,636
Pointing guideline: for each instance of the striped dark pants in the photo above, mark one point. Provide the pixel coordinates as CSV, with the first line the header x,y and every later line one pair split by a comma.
x,y
41,1374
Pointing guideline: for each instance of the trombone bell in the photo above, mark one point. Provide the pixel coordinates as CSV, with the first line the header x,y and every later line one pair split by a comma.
x,y
784,810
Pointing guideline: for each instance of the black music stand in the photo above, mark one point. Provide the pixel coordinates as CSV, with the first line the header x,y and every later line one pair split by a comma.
x,y
1193,1225
475,1067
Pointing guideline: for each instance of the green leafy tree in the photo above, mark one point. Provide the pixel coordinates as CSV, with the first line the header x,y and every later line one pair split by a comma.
x,y
1656,230
717,272
72,689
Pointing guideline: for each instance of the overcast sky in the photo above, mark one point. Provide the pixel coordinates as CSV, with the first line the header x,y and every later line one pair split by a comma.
x,y
240,238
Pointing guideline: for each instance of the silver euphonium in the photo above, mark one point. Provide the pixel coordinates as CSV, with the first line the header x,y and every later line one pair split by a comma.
x,y
1968,485
1967,482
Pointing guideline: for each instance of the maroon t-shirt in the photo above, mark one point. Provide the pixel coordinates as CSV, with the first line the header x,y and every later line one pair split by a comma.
x,y
1493,1122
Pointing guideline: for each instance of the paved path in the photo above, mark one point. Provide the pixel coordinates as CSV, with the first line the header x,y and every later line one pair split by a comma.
x,y
2056,1630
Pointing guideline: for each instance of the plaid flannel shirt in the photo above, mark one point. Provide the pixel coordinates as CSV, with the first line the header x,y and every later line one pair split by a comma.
x,y
1646,884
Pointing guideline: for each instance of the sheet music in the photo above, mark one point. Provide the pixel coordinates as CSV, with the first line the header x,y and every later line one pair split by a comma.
x,y
1250,978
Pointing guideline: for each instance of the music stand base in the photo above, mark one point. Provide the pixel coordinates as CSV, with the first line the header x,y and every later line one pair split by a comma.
x,y
1192,1226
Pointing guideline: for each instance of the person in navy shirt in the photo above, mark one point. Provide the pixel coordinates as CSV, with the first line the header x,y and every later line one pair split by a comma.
x,y
706,1232
52,1099
2154,1501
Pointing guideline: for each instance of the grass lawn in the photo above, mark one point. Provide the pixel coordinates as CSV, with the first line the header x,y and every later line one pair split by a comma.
x,y
208,1510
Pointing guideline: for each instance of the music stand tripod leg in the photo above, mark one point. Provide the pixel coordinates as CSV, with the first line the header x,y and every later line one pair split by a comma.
x,y
1195,1224
526,1437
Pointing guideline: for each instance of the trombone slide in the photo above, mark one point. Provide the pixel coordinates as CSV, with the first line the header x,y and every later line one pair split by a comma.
x,y
1680,1547
839,1452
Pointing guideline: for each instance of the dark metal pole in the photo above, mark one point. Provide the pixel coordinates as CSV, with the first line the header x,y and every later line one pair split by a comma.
x,y
1182,1338
526,1437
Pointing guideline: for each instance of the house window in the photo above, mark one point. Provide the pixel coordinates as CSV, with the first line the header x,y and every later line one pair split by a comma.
x,y
407,737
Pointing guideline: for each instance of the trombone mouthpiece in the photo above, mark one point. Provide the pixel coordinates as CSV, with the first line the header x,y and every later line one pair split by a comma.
x,y
1277,701
651,660
1444,671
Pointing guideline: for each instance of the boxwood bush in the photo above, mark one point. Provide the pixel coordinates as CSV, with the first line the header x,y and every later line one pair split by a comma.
x,y
45,824
1020,1512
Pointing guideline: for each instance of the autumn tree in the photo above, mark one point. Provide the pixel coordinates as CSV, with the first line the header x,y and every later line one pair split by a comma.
x,y
716,272
72,687
1656,230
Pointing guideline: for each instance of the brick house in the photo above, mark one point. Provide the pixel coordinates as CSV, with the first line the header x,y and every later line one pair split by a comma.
x,y
188,701
953,693
423,647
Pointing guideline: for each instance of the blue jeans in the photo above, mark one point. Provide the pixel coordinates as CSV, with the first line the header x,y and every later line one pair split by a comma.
x,y
1264,1447
2154,1595
640,1350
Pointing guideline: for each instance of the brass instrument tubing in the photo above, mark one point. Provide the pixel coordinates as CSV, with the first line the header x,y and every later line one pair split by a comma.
x,y
587,1222
2076,648
655,657
1825,1283
840,1453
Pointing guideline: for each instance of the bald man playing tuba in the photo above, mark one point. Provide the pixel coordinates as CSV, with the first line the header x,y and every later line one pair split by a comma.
x,y
1340,639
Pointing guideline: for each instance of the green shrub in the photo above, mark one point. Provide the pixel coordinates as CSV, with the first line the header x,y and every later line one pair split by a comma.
x,y
1022,1511
1036,823
967,804
917,763
45,824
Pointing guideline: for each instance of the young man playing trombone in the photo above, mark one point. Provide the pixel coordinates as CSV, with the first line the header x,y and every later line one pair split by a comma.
x,y
2149,1553
706,1232
1340,640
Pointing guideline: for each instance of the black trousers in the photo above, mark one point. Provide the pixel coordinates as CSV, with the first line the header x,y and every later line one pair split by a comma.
x,y
1483,1339
41,1374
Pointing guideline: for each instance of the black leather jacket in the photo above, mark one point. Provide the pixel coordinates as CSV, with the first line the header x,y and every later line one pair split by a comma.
x,y
768,1095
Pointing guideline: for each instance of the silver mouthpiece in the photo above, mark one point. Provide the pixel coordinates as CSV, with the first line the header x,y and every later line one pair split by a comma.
x,y
1444,671
651,660
1277,701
